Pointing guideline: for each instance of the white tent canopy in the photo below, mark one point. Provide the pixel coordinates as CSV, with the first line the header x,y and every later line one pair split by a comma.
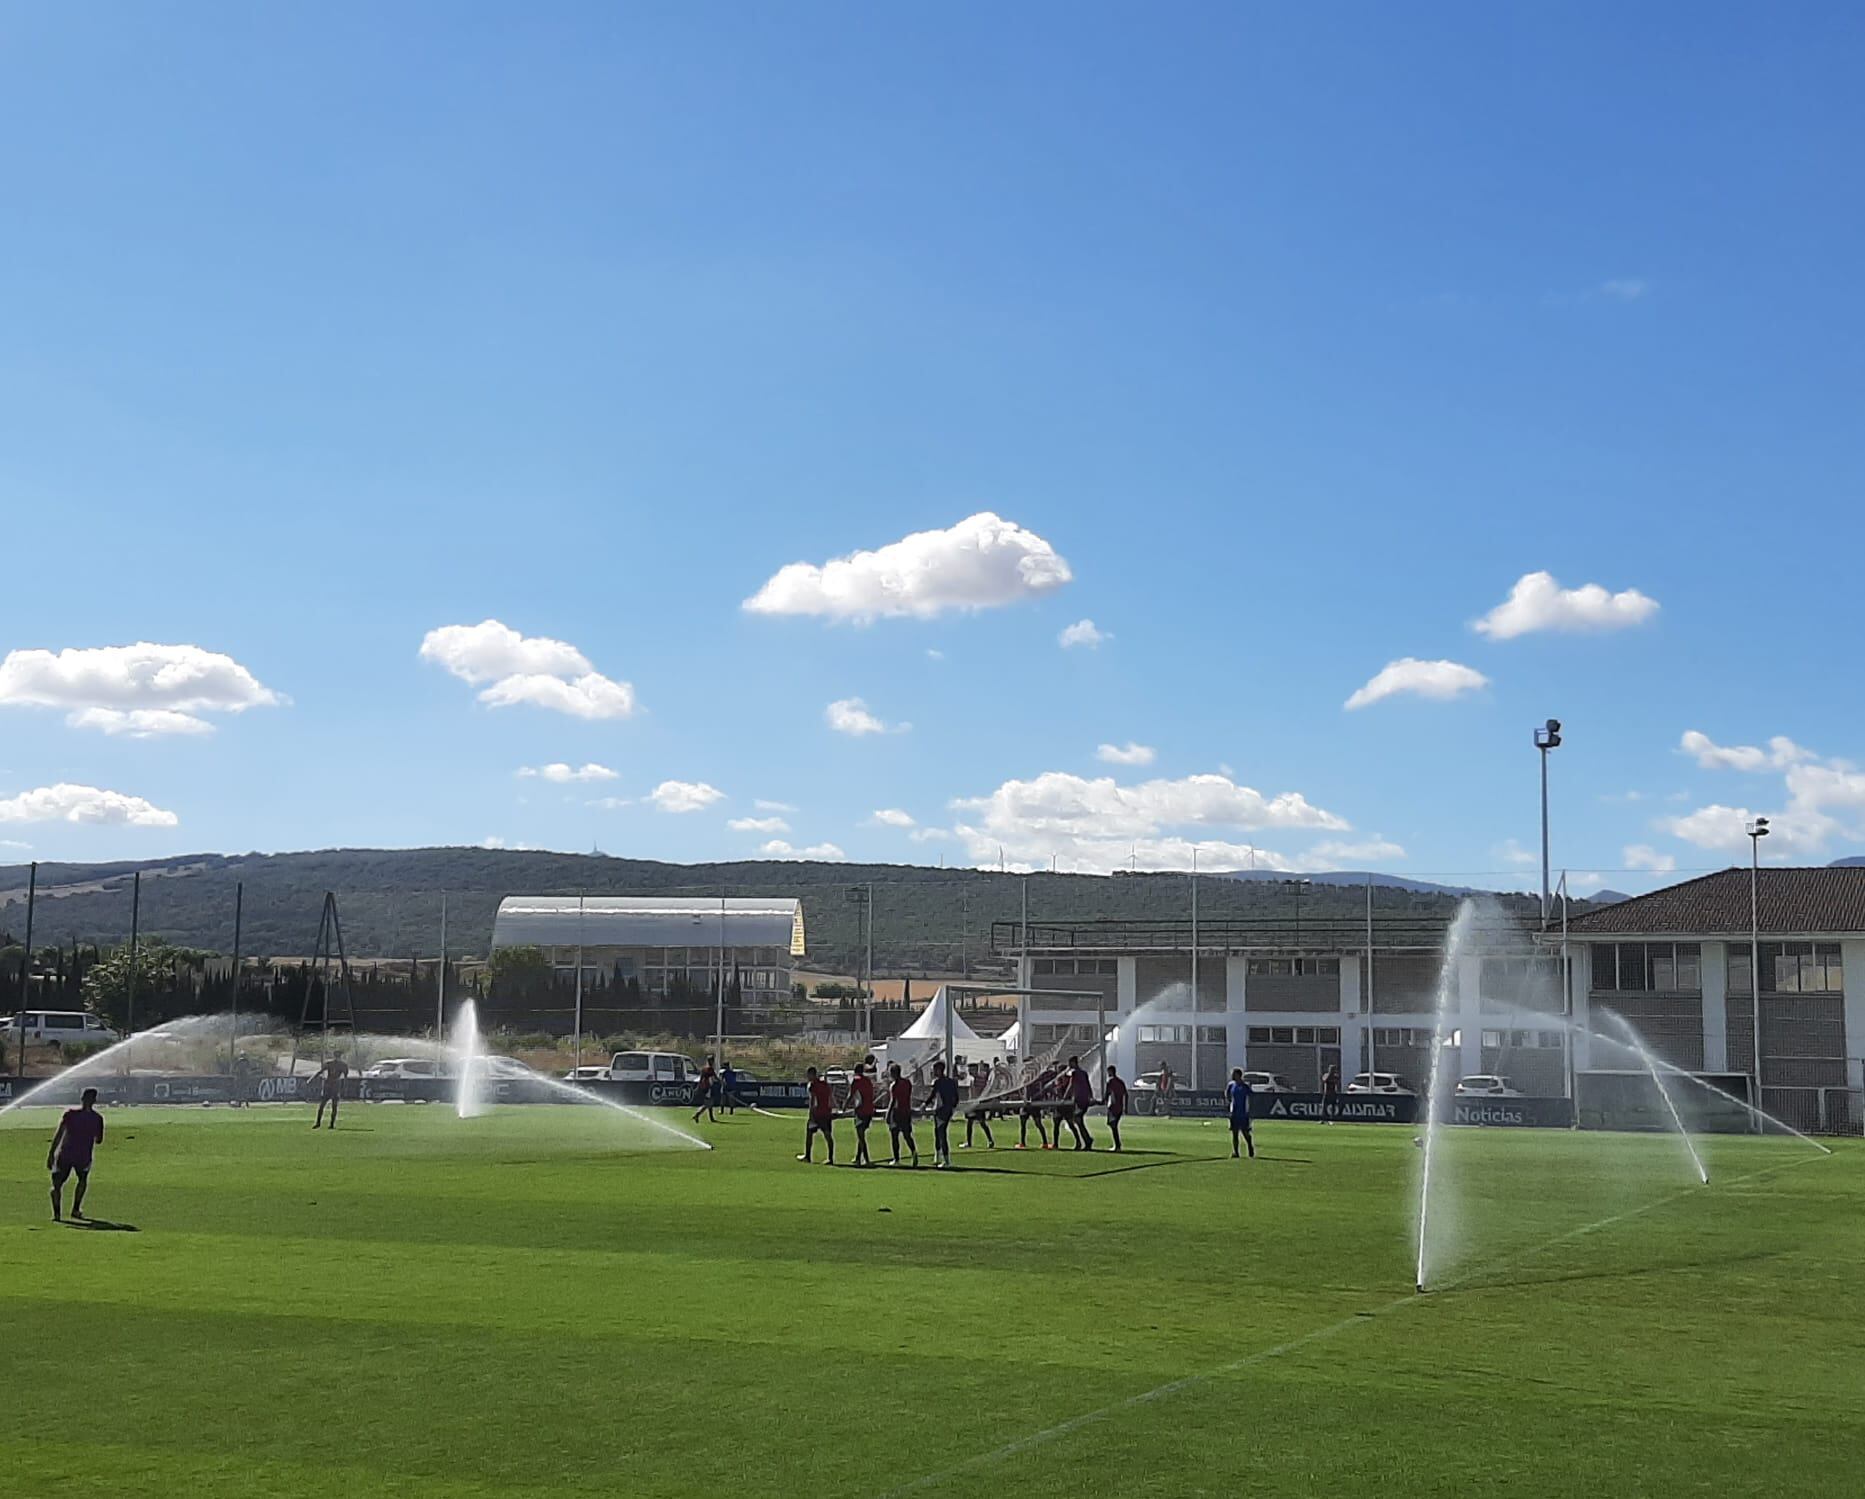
x,y
923,1042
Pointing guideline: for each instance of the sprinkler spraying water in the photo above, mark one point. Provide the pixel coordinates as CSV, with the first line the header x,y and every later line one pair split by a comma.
x,y
1651,1064
1428,1189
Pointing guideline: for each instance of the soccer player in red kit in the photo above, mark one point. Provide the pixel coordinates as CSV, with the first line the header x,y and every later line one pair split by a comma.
x,y
900,1112
862,1091
1114,1100
821,1116
74,1143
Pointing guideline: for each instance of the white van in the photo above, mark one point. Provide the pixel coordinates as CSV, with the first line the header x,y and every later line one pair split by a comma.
x,y
652,1067
60,1028
1380,1082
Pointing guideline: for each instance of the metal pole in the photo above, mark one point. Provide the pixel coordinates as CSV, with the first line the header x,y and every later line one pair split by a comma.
x,y
25,968
1567,996
870,984
1544,837
1366,985
1754,956
135,947
948,1028
440,980
579,980
718,1022
233,1033
1194,970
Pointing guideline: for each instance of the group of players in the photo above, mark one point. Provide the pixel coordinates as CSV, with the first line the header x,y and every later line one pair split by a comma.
x,y
1065,1094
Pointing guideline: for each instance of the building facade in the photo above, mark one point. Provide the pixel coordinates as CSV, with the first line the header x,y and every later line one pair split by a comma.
x,y
1677,964
1264,994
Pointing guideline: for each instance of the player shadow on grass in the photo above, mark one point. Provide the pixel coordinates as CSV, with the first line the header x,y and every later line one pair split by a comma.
x,y
101,1225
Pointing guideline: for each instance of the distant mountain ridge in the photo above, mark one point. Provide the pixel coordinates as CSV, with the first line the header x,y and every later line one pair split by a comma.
x,y
925,919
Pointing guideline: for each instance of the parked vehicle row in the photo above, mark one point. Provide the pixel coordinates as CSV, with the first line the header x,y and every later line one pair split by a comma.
x,y
59,1028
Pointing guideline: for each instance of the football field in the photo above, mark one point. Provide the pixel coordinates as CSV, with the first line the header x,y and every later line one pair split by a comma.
x,y
513,1305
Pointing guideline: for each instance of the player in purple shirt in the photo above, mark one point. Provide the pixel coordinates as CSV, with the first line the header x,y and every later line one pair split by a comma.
x,y
1078,1089
74,1145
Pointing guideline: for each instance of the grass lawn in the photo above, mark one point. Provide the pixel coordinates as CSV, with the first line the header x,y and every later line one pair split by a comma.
x,y
515,1306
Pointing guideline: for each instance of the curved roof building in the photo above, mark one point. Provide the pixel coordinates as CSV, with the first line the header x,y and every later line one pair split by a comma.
x,y
679,921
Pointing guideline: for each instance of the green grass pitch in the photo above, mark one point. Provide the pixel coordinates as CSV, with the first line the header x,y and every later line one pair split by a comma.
x,y
420,1305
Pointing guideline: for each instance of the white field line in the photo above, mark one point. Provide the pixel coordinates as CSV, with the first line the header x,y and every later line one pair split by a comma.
x,y
1263,1355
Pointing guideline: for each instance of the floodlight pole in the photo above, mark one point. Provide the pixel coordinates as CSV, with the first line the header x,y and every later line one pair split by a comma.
x,y
1757,830
25,968
129,1026
579,980
1366,985
1567,1001
1194,969
718,1018
440,981
233,1033
1546,738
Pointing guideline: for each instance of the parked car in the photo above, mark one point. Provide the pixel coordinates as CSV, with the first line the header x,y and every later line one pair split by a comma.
x,y
652,1067
60,1028
1380,1082
587,1075
1270,1082
399,1067
1487,1085
404,1078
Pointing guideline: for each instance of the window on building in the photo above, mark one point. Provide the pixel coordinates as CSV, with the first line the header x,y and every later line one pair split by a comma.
x,y
1327,1035
1641,967
1213,1035
1801,968
1259,1035
1304,1035
1492,1039
1282,1035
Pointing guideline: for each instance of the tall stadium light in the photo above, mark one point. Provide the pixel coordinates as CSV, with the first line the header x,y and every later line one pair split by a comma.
x,y
1194,968
1547,737
1757,830
863,896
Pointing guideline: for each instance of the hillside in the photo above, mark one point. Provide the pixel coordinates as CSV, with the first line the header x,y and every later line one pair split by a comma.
x,y
390,899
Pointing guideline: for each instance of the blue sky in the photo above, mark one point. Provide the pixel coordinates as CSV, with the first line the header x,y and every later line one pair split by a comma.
x,y
1292,339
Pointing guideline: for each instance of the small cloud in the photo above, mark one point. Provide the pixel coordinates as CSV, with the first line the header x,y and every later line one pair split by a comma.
x,y
497,842
892,817
67,802
1644,856
778,849
684,796
983,562
530,669
139,723
850,715
769,806
1624,289
1437,680
1626,798
1781,753
934,655
558,773
612,803
1538,602
13,843
930,835
1333,855
1129,754
1084,632
758,825
1512,853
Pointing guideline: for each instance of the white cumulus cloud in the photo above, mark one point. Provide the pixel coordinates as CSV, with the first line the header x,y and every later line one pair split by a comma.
x,y
758,825
529,669
892,817
778,849
139,723
1644,856
1084,632
561,774
684,796
1127,754
66,802
1537,602
851,716
1101,825
1437,680
143,690
981,563
1780,753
